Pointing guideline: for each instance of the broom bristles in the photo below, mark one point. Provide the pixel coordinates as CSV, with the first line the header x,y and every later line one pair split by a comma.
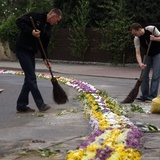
x,y
133,94
59,95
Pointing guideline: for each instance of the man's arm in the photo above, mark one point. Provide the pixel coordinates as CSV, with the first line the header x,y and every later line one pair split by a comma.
x,y
156,35
139,58
138,53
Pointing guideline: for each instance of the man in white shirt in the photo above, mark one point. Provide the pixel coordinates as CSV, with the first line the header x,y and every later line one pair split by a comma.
x,y
142,38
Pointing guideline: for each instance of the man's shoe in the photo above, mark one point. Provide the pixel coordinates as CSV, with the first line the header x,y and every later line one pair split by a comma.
x,y
1,90
44,108
148,100
25,110
141,99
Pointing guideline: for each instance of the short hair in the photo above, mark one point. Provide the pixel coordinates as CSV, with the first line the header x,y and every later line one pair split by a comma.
x,y
135,26
57,11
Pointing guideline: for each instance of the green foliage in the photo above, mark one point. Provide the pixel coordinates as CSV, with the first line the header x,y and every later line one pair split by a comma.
x,y
9,32
97,13
78,38
116,37
137,108
48,152
34,5
68,10
13,9
140,11
8,9
52,42
111,17
144,11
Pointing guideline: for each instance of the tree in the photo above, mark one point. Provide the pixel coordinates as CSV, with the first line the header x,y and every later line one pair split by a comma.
x,y
78,38
116,37
11,9
144,11
111,17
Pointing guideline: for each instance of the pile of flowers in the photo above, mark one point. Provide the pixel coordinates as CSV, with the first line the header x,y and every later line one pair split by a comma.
x,y
113,137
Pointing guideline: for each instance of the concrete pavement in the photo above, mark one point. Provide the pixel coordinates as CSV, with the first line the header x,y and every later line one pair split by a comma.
x,y
151,142
90,69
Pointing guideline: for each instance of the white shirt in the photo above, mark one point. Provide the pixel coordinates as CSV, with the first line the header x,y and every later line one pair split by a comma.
x,y
149,28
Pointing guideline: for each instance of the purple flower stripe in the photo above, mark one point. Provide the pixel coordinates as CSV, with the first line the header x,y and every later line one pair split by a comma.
x,y
86,87
90,139
133,138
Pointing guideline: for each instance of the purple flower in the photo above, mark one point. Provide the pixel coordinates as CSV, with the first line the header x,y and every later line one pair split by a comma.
x,y
103,154
90,139
105,110
133,137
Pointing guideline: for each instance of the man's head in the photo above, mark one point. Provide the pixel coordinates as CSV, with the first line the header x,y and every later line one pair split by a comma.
x,y
54,16
136,29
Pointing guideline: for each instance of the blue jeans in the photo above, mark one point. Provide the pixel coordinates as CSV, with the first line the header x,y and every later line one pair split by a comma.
x,y
151,91
27,62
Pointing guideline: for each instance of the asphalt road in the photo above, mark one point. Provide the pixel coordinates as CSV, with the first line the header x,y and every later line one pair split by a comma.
x,y
19,130
116,88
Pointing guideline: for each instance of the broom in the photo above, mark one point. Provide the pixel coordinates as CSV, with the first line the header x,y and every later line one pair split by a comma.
x,y
134,92
59,94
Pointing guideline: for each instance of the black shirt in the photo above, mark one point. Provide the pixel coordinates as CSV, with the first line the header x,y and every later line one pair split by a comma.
x,y
26,41
144,41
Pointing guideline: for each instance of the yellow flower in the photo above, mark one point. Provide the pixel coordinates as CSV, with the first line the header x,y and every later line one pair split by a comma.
x,y
121,153
90,151
76,154
103,125
94,107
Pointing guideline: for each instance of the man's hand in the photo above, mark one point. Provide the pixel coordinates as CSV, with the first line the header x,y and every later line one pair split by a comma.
x,y
143,66
36,33
152,38
48,65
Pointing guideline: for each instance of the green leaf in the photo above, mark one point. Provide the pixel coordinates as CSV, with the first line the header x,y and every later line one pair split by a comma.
x,y
152,127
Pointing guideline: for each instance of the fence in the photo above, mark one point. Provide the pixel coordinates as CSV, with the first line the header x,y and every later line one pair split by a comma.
x,y
93,54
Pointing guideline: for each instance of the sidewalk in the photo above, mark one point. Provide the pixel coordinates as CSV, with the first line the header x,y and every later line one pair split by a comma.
x,y
130,72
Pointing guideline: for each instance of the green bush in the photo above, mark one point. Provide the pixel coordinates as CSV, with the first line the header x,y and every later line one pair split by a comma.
x,y
11,11
9,32
116,36
112,18
78,39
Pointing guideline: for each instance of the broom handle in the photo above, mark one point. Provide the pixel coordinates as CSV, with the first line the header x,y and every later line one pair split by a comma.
x,y
43,51
144,60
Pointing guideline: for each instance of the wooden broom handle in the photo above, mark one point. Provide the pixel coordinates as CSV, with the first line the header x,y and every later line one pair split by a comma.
x,y
43,51
148,49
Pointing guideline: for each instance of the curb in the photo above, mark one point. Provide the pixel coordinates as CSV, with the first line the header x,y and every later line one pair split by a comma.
x,y
78,74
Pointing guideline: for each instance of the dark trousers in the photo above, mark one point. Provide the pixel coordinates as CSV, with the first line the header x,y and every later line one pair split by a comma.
x,y
27,62
150,90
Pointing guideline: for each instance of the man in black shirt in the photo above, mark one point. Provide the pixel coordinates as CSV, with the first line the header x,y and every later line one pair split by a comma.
x,y
26,48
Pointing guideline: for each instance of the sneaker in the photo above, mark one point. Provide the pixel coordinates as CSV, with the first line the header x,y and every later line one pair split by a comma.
x,y
25,110
142,99
44,108
148,100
